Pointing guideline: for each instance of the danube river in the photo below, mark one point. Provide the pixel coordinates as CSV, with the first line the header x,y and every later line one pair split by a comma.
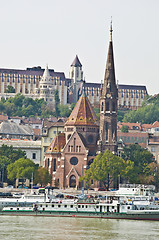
x,y
47,228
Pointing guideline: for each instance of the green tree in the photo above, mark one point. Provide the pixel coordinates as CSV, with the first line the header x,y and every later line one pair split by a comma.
x,y
64,110
57,102
12,154
22,168
148,113
4,162
106,169
10,89
124,128
142,160
42,176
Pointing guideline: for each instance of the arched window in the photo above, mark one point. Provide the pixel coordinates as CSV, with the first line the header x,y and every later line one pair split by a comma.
x,y
102,107
54,164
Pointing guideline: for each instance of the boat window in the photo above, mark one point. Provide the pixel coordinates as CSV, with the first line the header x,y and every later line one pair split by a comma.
x,y
71,206
17,208
46,205
79,206
128,207
82,206
41,205
65,206
86,206
112,207
11,208
97,206
52,205
59,206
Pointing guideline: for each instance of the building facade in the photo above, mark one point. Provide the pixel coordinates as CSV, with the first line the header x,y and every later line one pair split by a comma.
x,y
41,83
71,153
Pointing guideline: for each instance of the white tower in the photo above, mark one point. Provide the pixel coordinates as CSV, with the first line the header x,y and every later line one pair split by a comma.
x,y
46,89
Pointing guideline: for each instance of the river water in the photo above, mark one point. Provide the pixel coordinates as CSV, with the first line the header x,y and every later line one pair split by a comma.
x,y
61,228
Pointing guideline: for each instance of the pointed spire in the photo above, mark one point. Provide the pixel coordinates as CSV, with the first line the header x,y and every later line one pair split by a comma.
x,y
109,78
111,30
46,73
76,62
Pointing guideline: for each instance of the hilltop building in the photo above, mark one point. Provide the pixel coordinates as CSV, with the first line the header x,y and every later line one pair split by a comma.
x,y
41,83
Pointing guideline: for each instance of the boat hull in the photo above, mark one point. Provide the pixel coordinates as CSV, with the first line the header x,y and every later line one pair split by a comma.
x,y
149,216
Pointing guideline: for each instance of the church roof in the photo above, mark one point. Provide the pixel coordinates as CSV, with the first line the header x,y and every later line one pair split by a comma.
x,y
57,144
76,62
82,114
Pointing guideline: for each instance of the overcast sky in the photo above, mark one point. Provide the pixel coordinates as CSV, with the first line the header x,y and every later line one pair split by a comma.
x,y
40,32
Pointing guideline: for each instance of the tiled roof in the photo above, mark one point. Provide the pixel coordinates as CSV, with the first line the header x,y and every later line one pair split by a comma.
x,y
155,124
82,114
57,144
37,132
130,125
32,71
3,118
10,128
133,87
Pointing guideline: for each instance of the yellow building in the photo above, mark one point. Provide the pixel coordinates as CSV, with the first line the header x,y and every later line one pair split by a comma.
x,y
50,130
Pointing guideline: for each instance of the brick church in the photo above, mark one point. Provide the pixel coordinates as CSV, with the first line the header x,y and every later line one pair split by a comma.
x,y
71,153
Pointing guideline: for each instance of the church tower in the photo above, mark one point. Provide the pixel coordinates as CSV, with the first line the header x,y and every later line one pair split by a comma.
x,y
108,105
76,74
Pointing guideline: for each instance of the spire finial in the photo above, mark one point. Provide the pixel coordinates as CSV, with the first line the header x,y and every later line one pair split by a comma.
x,y
111,30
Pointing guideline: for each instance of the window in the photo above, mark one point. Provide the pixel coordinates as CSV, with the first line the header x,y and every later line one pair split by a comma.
x,y
102,108
54,164
34,156
74,161
107,106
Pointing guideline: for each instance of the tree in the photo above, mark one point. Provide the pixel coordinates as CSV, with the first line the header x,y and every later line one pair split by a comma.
x,y
12,154
22,168
148,113
42,176
64,110
4,162
124,128
57,102
142,160
10,89
106,168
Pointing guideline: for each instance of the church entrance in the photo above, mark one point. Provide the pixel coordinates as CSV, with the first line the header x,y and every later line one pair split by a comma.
x,y
72,181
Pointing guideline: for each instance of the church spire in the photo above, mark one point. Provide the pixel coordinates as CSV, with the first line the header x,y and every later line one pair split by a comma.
x,y
109,86
108,104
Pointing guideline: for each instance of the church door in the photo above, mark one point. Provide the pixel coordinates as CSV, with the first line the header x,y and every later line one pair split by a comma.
x,y
72,181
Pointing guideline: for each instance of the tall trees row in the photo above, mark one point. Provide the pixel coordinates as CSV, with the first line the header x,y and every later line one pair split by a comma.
x,y
135,166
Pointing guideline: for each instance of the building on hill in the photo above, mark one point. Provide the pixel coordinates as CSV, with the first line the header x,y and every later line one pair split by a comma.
x,y
30,83
41,83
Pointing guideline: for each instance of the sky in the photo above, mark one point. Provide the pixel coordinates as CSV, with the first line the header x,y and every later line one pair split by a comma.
x,y
40,32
